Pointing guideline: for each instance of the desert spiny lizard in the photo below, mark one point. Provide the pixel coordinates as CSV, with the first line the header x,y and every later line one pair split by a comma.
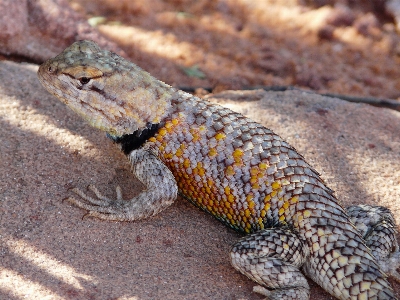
x,y
233,168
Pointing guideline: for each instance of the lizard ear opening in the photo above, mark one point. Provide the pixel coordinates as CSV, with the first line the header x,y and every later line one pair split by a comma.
x,y
83,73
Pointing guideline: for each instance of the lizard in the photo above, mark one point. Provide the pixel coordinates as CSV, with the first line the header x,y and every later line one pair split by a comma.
x,y
242,173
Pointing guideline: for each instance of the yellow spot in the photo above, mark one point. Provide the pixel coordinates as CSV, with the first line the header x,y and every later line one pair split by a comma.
x,y
175,121
229,171
254,171
286,246
255,186
220,136
152,139
202,171
251,204
212,152
186,163
275,185
178,152
261,224
267,206
195,171
195,134
281,211
282,218
247,213
162,132
231,198
229,216
307,213
263,166
267,198
237,156
300,218
227,190
285,205
273,194
294,200
263,213
285,182
168,155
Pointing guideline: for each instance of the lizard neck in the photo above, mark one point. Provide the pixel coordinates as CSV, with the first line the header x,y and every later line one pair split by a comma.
x,y
136,139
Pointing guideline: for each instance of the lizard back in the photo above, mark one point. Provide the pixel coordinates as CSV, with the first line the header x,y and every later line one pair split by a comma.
x,y
234,168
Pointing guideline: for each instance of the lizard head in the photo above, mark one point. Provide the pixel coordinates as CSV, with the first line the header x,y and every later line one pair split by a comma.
x,y
109,92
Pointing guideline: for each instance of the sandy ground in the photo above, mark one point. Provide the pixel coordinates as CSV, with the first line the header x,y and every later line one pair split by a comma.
x,y
48,251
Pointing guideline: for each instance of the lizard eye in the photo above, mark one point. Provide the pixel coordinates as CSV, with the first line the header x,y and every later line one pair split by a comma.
x,y
84,80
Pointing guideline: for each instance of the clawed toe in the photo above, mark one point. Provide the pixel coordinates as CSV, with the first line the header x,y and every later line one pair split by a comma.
x,y
99,201
261,290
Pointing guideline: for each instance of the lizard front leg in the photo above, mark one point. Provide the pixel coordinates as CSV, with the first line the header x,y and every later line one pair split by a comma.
x,y
160,192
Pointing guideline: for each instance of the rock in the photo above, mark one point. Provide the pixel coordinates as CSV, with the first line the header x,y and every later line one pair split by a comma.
x,y
40,29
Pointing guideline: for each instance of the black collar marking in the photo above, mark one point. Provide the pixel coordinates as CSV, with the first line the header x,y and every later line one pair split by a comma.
x,y
135,140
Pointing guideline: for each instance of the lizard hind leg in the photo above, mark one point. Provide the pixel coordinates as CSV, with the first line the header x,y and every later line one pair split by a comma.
x,y
272,258
377,227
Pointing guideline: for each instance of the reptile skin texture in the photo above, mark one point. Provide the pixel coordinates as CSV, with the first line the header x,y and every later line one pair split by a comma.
x,y
242,173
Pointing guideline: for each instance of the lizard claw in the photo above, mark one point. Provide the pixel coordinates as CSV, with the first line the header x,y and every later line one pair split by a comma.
x,y
88,214
64,199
